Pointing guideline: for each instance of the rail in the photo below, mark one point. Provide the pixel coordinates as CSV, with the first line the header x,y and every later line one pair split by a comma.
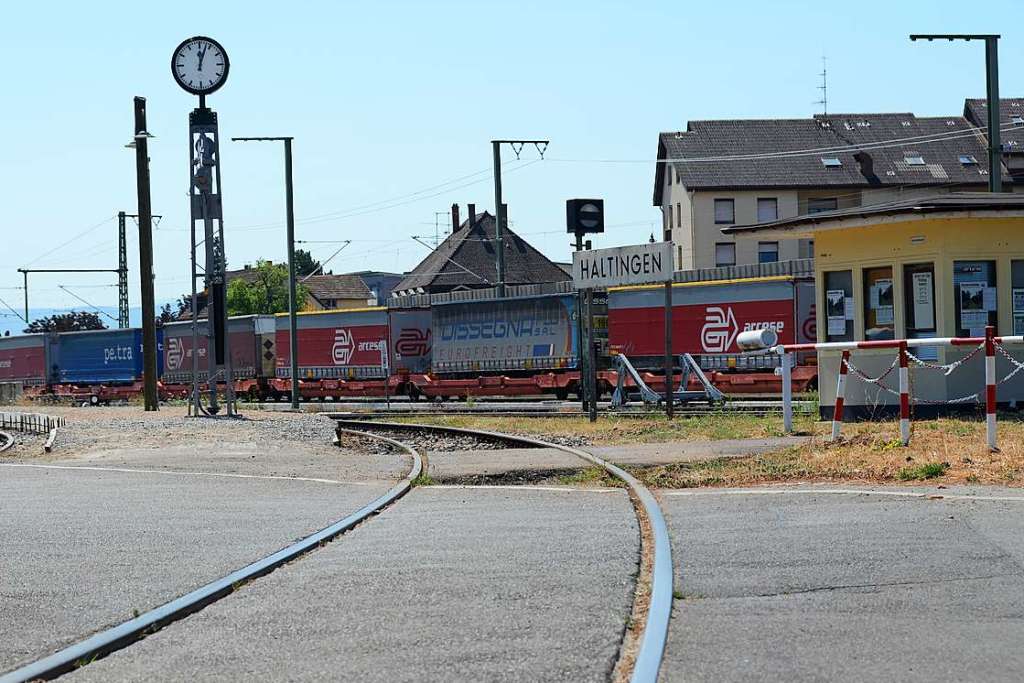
x,y
122,635
655,634
990,343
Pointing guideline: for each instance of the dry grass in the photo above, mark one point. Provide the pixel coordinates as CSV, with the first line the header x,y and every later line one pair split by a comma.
x,y
943,451
628,429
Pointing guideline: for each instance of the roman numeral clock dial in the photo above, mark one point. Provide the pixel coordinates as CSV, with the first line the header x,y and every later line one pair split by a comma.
x,y
200,65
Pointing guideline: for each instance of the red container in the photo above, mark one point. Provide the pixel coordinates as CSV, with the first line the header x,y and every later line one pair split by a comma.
x,y
250,341
23,359
336,344
707,318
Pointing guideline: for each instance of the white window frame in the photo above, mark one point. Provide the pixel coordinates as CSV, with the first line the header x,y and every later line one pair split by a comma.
x,y
724,201
761,250
774,204
730,245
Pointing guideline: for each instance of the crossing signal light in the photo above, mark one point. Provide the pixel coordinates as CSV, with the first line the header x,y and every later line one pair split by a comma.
x,y
584,216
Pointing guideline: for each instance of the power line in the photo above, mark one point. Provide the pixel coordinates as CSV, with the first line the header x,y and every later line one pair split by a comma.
x,y
880,144
95,308
64,244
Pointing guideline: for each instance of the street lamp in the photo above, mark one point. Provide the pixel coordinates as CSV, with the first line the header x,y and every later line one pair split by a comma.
x,y
293,336
995,172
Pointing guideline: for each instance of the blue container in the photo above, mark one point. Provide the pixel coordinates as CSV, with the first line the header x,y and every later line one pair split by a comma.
x,y
100,356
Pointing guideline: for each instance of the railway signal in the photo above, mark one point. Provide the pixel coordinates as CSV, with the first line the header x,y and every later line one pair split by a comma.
x,y
584,216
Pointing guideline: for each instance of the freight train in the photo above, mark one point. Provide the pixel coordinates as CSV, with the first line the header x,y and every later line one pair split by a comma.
x,y
449,346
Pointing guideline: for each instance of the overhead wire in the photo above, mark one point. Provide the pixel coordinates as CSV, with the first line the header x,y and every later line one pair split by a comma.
x,y
69,241
95,308
879,144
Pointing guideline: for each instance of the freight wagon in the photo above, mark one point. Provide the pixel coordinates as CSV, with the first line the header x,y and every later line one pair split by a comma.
x,y
706,319
98,365
23,359
251,341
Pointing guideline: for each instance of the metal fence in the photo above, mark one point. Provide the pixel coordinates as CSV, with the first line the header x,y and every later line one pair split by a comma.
x,y
37,423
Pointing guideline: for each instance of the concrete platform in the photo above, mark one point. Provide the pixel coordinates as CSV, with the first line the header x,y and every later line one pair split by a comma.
x,y
450,584
84,549
817,586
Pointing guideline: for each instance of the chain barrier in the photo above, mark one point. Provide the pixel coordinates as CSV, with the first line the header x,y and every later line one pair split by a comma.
x,y
1018,366
948,368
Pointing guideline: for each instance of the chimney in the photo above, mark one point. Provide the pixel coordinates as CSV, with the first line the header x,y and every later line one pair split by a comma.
x,y
867,167
472,215
455,218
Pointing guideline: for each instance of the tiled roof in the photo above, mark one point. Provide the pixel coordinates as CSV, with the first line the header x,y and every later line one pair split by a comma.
x,y
975,202
938,140
324,287
1010,109
467,259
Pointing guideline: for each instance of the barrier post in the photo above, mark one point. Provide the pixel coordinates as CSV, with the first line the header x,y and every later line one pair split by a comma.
x,y
837,412
990,388
787,394
904,396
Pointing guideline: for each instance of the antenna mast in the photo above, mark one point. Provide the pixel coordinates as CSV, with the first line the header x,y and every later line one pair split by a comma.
x,y
823,87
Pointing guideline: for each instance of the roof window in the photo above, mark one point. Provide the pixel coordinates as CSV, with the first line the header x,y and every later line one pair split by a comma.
x,y
1017,120
914,160
968,160
831,161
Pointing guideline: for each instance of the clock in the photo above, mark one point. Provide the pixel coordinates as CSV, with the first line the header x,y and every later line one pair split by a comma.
x,y
200,65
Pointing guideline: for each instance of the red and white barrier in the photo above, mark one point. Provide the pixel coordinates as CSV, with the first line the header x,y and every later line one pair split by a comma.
x,y
990,388
989,342
837,410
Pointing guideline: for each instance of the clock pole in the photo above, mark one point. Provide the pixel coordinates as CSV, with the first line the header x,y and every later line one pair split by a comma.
x,y
206,210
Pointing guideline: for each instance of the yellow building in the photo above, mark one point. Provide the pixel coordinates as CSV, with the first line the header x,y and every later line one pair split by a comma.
x,y
934,267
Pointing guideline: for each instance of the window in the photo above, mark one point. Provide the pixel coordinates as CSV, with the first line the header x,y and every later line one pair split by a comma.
x,y
1017,121
838,306
805,248
668,175
767,209
879,312
725,254
819,204
679,255
1017,281
914,160
669,216
725,211
767,252
919,300
679,216
968,160
831,162
974,297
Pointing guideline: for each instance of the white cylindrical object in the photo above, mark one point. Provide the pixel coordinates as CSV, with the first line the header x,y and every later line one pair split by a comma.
x,y
757,340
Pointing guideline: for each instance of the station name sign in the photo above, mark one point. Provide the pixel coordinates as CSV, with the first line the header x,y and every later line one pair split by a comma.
x,y
633,265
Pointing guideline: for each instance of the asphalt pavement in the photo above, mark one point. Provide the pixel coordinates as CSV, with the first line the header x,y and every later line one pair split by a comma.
x,y
846,586
85,548
449,584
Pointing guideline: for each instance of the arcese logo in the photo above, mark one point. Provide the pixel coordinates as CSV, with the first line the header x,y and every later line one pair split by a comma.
x,y
344,347
413,342
720,328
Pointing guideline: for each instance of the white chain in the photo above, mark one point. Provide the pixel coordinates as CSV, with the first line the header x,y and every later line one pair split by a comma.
x,y
949,368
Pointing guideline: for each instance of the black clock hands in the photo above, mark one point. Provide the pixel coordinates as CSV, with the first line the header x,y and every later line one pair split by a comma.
x,y
201,55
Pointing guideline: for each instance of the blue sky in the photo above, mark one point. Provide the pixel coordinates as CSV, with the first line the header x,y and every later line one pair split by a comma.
x,y
388,98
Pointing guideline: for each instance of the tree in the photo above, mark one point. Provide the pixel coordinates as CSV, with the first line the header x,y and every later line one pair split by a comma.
x,y
74,321
305,264
265,292
166,315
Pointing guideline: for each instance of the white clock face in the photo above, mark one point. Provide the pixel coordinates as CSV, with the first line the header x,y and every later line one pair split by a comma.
x,y
200,65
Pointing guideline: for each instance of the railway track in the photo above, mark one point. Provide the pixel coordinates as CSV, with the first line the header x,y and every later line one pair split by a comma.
x,y
653,588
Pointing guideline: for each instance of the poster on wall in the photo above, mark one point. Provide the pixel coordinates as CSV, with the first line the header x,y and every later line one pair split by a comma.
x,y
1018,323
881,301
924,309
835,310
973,313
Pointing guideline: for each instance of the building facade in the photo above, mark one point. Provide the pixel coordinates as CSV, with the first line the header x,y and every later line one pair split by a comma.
x,y
716,174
